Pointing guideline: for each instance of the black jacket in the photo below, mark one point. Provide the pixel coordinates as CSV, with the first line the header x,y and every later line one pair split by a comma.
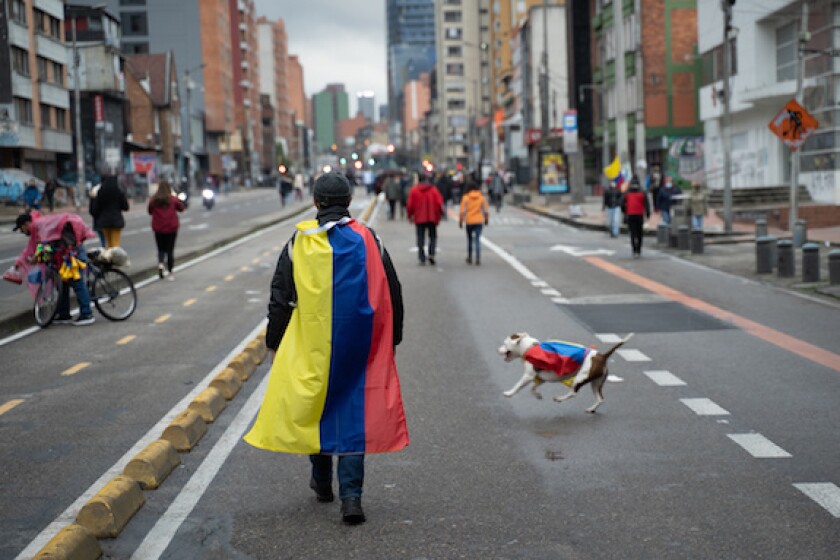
x,y
284,295
108,206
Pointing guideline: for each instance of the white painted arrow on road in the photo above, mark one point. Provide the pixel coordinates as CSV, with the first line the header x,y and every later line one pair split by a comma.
x,y
578,252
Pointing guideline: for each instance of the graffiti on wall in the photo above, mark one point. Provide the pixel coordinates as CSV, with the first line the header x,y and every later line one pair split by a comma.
x,y
686,161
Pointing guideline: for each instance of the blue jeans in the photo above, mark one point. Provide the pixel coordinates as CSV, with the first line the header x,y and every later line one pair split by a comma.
x,y
614,220
80,287
697,222
351,473
474,230
666,216
431,227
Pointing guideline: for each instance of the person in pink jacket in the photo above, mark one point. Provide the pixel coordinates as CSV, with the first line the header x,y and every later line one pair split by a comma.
x,y
425,208
164,208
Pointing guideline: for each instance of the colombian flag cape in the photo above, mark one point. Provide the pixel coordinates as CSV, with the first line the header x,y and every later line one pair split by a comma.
x,y
333,387
563,358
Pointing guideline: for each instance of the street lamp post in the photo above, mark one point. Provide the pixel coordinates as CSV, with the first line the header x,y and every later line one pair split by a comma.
x,y
188,131
80,157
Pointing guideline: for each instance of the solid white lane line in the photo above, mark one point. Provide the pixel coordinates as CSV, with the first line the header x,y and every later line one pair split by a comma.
x,y
550,292
664,378
825,494
632,355
158,539
510,259
759,446
69,515
705,407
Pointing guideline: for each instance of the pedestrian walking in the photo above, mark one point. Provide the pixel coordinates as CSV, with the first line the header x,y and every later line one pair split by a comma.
x,y
425,208
164,207
665,200
93,192
698,205
299,185
497,190
49,192
333,321
393,194
286,188
475,213
636,207
655,183
32,196
107,209
612,208
444,187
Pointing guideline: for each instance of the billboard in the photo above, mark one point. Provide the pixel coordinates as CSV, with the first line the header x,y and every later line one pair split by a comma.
x,y
553,178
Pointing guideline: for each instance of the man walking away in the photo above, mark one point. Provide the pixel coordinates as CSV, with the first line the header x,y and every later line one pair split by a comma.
x,y
393,193
497,190
636,207
612,208
334,318
49,192
475,212
424,208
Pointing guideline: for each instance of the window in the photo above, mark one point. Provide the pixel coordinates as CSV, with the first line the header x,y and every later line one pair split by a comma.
x,y
713,63
454,33
17,11
134,24
20,61
136,48
46,116
132,2
43,73
55,28
455,69
57,73
456,104
453,2
786,52
61,119
23,110
452,17
454,51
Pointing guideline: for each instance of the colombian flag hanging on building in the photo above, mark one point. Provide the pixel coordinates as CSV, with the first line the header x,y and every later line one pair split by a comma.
x,y
333,387
563,358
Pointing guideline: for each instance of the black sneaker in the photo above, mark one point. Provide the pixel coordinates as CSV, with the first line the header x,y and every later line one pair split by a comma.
x,y
161,271
351,511
323,494
63,320
431,260
84,320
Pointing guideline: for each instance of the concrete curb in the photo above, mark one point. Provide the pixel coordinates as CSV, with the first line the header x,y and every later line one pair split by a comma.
x,y
73,542
111,508
243,365
257,350
185,430
151,466
209,404
228,382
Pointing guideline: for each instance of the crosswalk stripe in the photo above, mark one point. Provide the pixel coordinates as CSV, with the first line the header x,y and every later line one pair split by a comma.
x,y
633,355
825,494
759,446
705,407
664,378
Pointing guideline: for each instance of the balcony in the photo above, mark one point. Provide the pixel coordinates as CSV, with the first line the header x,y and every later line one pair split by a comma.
x,y
245,65
243,45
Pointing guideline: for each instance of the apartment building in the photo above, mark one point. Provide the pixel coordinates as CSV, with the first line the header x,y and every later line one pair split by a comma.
x,y
35,124
274,77
244,43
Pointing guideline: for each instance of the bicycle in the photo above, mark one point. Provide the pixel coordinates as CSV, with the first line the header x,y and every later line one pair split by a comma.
x,y
111,290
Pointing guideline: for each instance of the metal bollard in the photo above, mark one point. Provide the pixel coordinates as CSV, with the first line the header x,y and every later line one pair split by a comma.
x,y
786,262
800,233
682,238
764,254
672,235
834,267
760,228
811,262
697,241
662,234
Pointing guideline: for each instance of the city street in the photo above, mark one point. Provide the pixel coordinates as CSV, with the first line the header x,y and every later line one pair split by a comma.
x,y
718,437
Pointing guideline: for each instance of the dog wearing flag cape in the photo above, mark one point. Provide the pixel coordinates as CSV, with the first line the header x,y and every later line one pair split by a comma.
x,y
335,316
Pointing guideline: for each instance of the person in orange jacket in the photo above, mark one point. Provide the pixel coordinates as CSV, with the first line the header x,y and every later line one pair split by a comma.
x,y
476,213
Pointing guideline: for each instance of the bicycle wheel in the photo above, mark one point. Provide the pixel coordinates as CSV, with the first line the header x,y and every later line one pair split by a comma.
x,y
114,295
47,296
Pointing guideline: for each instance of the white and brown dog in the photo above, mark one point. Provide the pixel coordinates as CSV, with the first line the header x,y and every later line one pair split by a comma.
x,y
550,362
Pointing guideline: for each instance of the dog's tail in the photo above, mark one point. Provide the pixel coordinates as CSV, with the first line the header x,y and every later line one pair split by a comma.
x,y
606,355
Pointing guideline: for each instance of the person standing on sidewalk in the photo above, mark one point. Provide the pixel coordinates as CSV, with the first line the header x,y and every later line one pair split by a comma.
x,y
612,208
665,200
107,210
698,205
636,207
164,207
335,316
49,192
476,213
424,208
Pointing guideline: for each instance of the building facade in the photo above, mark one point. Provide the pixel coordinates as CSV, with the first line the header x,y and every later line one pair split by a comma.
x,y
274,78
329,107
35,123
246,92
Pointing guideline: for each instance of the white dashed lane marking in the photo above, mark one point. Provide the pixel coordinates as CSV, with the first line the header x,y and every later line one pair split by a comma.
x,y
759,446
632,355
664,378
705,407
825,494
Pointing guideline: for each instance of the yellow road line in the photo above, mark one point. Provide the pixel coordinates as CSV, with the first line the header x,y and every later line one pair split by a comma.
x,y
126,339
229,277
75,369
190,302
244,269
163,318
9,406
276,247
210,289
255,260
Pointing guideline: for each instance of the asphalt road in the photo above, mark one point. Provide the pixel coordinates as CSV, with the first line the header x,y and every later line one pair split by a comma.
x,y
708,448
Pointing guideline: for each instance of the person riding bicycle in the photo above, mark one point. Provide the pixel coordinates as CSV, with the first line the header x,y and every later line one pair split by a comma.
x,y
66,233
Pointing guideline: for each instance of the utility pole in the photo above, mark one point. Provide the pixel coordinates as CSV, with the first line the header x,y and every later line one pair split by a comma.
x,y
641,143
804,37
80,157
621,136
544,76
727,117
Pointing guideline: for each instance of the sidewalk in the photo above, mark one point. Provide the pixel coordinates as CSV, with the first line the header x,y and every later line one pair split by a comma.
x,y
733,253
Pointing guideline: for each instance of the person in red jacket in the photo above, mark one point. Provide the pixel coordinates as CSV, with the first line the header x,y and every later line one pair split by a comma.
x,y
425,208
636,207
164,208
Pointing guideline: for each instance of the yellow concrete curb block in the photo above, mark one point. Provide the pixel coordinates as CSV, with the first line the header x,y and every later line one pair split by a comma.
x,y
209,404
151,466
228,382
258,350
243,365
185,430
73,542
109,510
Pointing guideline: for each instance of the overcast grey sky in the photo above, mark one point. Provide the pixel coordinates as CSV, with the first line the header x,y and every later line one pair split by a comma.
x,y
338,41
